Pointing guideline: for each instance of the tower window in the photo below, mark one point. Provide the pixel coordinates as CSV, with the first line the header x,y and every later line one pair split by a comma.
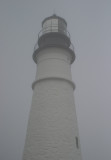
x,y
77,143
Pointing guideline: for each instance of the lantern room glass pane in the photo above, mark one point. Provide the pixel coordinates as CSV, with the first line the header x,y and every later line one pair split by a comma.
x,y
50,25
54,25
62,26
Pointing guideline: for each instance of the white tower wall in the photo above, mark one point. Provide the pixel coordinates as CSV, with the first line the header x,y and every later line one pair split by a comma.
x,y
54,62
52,132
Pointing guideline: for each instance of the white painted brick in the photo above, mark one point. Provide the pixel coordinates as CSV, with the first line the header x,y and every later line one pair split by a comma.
x,y
52,125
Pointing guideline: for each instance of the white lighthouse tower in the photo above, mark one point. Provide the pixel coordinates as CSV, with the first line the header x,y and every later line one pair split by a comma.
x,y
52,132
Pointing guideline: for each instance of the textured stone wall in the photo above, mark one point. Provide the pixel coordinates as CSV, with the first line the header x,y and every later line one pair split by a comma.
x,y
52,132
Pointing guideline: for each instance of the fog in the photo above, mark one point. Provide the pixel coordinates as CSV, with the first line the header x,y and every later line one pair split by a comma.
x,y
89,25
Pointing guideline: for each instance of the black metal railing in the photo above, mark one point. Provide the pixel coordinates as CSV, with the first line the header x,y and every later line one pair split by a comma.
x,y
53,28
71,47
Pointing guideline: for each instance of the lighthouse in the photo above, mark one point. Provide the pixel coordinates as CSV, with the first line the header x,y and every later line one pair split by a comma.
x,y
52,131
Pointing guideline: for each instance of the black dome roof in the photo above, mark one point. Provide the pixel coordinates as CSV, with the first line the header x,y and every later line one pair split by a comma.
x,y
54,16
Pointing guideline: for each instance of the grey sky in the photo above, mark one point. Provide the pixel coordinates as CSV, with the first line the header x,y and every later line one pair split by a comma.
x,y
89,23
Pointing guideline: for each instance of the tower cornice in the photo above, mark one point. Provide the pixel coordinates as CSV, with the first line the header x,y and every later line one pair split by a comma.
x,y
53,78
70,50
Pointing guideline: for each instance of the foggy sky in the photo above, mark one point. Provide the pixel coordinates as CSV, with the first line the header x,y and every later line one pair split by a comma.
x,y
89,24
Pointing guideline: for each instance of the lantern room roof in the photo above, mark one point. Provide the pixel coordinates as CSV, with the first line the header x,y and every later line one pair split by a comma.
x,y
54,16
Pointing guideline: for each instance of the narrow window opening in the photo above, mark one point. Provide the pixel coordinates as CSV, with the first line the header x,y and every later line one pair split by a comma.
x,y
77,143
